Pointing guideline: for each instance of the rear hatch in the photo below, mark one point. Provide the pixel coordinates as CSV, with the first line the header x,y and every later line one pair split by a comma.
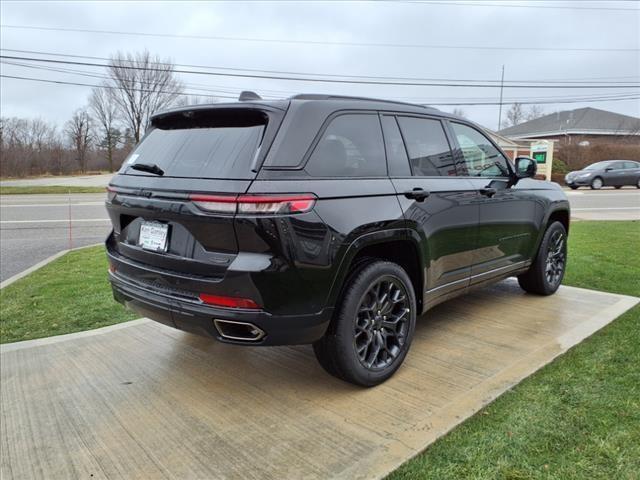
x,y
188,154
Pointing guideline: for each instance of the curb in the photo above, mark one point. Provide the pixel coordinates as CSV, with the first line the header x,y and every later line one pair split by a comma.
x,y
41,264
37,342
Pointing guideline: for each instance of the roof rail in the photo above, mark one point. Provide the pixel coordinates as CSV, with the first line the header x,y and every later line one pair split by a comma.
x,y
320,96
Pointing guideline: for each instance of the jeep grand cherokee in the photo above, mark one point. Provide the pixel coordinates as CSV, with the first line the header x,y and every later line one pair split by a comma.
x,y
327,220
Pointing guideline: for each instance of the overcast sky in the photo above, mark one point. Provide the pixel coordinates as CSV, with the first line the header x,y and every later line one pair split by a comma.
x,y
404,34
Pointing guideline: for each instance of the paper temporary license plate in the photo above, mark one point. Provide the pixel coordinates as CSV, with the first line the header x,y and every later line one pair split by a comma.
x,y
153,236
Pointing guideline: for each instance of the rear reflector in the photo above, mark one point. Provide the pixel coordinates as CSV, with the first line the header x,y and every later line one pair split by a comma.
x,y
229,302
255,204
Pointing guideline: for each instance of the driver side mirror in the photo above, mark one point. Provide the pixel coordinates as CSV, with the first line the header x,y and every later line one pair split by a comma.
x,y
526,167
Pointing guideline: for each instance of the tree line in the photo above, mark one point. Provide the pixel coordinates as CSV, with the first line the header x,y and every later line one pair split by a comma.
x,y
99,135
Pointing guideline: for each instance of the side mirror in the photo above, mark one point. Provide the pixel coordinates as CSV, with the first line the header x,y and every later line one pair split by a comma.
x,y
526,167
608,169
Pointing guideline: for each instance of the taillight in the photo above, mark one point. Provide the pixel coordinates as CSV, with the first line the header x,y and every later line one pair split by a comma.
x,y
255,204
229,302
275,203
215,203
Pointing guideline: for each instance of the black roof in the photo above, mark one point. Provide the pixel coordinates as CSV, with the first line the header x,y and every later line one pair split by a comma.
x,y
337,102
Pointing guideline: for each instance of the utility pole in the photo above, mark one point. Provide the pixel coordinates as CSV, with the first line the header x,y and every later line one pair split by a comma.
x,y
501,90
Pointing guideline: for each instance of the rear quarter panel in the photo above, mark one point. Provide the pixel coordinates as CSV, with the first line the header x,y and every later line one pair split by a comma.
x,y
310,255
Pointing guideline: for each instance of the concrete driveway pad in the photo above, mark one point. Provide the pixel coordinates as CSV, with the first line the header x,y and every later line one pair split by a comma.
x,y
141,400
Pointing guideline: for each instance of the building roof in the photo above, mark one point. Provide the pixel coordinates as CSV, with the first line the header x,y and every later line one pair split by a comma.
x,y
582,121
505,142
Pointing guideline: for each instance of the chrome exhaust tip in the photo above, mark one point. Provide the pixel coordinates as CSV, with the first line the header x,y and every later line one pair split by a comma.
x,y
239,331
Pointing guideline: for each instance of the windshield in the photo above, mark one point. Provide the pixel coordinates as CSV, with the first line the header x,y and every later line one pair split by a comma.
x,y
598,166
199,150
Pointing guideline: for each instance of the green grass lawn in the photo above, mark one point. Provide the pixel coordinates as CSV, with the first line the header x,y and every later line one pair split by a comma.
x,y
49,189
578,417
71,294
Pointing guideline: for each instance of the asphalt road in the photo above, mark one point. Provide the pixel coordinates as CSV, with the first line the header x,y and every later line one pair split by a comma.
x,y
33,227
74,181
605,204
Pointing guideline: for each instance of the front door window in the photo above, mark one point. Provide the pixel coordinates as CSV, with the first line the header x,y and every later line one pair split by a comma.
x,y
481,157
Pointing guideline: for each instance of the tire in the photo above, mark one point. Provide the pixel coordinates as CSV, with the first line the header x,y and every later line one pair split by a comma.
x,y
360,346
638,183
573,187
547,270
597,183
618,187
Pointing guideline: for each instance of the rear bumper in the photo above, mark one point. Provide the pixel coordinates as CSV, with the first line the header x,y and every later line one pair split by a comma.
x,y
196,317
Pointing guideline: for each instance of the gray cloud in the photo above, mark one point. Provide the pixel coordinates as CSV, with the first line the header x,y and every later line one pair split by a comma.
x,y
377,22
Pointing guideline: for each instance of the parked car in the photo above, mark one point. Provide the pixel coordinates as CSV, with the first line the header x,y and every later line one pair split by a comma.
x,y
609,173
324,220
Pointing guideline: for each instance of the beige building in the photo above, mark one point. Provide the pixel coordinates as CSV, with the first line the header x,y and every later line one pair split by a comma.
x,y
540,150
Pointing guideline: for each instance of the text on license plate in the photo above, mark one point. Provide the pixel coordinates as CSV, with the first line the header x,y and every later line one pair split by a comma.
x,y
153,236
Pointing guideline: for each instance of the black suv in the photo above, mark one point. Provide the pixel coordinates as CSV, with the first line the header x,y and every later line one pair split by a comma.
x,y
327,220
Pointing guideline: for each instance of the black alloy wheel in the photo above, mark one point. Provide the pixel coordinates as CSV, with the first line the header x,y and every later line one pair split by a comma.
x,y
371,332
547,270
556,258
381,323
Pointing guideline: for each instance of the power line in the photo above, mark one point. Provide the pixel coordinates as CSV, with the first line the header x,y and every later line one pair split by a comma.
x,y
572,100
288,93
236,69
631,96
313,79
109,87
321,42
510,5
83,73
227,90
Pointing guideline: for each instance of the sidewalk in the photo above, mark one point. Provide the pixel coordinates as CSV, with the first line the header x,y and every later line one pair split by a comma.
x,y
143,400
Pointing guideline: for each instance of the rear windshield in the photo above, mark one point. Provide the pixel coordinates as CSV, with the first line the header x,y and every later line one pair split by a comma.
x,y
201,147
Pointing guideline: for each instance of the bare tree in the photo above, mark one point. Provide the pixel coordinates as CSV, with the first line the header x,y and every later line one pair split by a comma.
x,y
25,146
104,111
140,85
535,111
459,112
186,100
78,130
515,115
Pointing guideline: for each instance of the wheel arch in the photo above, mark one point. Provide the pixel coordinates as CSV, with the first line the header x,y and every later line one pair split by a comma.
x,y
397,246
560,213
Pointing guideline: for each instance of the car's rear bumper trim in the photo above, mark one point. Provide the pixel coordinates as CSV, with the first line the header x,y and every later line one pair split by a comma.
x,y
196,317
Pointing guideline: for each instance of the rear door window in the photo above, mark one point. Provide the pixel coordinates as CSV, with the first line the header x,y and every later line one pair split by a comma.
x,y
351,146
427,146
200,151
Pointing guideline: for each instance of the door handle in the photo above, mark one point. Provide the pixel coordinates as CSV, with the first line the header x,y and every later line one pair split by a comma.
x,y
488,191
418,194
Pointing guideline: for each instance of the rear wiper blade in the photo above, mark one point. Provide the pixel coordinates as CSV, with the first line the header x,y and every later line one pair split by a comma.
x,y
148,167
